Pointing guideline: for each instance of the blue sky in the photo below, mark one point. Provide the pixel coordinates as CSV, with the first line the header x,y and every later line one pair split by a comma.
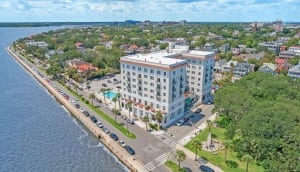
x,y
154,10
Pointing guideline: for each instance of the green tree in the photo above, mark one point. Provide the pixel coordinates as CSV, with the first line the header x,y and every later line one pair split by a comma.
x,y
247,158
119,96
198,146
159,118
92,97
115,112
180,156
146,120
115,99
226,146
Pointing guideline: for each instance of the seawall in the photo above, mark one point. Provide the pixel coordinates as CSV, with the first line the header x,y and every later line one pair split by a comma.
x,y
113,146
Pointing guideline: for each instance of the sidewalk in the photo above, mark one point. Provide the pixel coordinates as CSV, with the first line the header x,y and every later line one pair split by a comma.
x,y
190,155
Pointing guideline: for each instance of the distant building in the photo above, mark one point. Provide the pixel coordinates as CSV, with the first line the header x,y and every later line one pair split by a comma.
x,y
294,71
246,57
273,46
295,50
81,66
239,69
40,44
286,55
224,48
209,46
269,68
218,65
282,64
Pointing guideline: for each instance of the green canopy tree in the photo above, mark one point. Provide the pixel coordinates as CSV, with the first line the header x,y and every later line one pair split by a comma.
x,y
159,118
198,146
92,97
247,158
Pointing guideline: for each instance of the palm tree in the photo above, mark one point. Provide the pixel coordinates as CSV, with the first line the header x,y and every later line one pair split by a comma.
x,y
76,88
247,158
197,145
129,106
119,96
209,124
226,145
180,156
159,118
115,112
115,101
146,120
92,96
103,90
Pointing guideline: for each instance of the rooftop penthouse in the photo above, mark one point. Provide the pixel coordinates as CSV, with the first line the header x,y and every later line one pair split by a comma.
x,y
159,59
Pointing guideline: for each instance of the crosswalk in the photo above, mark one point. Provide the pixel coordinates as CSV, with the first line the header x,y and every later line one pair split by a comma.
x,y
158,161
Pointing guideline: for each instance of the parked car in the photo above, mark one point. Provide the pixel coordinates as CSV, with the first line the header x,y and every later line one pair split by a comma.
x,y
129,150
205,168
114,136
109,81
122,143
93,118
130,121
77,105
81,109
180,122
104,85
105,130
100,125
199,110
186,118
86,113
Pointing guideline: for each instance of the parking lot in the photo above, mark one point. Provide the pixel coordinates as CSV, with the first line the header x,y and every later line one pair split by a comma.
x,y
106,82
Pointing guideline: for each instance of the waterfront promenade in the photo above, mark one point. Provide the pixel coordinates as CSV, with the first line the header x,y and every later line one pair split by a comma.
x,y
114,147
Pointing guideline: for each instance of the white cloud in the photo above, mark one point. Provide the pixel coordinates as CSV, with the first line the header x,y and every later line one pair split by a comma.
x,y
112,10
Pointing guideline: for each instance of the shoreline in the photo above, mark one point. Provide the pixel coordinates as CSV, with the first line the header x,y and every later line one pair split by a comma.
x,y
111,145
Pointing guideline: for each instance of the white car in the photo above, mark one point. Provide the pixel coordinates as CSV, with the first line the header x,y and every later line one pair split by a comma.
x,y
180,122
122,143
81,109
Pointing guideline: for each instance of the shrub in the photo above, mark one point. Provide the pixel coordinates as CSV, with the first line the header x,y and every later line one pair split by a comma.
x,y
87,102
231,164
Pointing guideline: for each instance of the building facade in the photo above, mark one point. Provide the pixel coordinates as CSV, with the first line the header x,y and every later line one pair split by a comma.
x,y
154,83
199,74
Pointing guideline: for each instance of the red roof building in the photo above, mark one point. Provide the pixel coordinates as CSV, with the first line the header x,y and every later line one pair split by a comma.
x,y
282,64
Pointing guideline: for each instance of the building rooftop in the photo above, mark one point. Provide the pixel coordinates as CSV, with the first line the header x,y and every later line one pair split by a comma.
x,y
201,53
157,58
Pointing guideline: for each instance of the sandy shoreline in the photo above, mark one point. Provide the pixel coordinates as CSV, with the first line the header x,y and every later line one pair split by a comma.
x,y
113,146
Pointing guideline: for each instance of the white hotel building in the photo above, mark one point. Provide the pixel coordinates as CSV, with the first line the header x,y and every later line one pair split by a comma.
x,y
157,82
154,82
200,74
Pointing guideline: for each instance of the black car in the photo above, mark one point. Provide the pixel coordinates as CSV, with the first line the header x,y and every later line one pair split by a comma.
x,y
86,113
93,118
198,110
77,105
114,136
186,118
205,168
129,150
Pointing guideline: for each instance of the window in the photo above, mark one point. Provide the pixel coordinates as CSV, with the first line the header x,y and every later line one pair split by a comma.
x,y
173,72
151,71
145,76
165,73
152,77
133,67
199,79
145,82
164,87
181,70
128,66
165,80
199,73
158,72
152,91
151,97
139,68
145,89
145,69
145,95
123,65
151,84
133,73
164,94
157,106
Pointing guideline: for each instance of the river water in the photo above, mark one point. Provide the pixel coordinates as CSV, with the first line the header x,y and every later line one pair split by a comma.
x,y
36,133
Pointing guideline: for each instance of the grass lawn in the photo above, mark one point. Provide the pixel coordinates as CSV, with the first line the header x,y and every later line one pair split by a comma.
x,y
173,166
217,158
104,116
